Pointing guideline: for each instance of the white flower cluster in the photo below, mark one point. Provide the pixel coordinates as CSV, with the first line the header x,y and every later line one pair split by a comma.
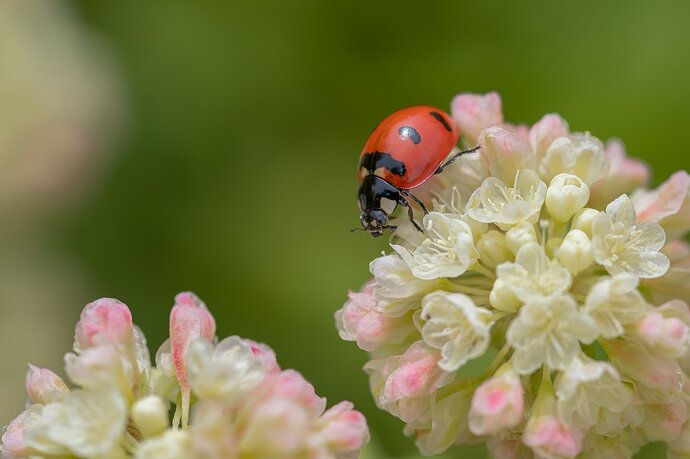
x,y
242,405
545,253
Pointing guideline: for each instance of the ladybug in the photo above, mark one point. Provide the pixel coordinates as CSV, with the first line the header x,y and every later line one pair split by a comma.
x,y
405,149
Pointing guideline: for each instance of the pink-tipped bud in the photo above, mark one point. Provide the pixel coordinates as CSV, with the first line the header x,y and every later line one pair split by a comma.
x,y
655,371
417,375
107,320
668,335
626,174
665,201
474,112
665,422
359,321
189,319
403,384
265,354
344,428
44,386
14,444
546,433
549,437
291,385
497,404
545,131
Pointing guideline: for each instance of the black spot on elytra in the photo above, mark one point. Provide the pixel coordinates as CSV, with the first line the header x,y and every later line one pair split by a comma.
x,y
408,132
377,159
441,120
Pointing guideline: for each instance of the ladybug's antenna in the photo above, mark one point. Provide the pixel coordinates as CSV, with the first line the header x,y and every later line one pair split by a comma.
x,y
390,227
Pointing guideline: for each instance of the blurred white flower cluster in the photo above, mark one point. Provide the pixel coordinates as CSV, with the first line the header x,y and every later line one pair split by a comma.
x,y
545,255
230,397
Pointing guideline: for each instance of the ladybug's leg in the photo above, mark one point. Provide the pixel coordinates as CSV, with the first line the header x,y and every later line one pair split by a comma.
x,y
454,157
404,202
415,199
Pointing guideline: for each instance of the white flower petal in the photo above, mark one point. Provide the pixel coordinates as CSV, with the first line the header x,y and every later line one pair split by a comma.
x,y
649,237
456,326
173,444
622,245
447,251
86,423
581,155
494,202
621,210
396,287
586,388
548,330
614,302
227,370
533,275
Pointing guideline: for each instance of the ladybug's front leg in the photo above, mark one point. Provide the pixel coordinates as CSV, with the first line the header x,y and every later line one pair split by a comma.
x,y
415,199
404,202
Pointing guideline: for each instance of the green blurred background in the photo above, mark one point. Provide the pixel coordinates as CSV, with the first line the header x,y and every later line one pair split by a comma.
x,y
234,175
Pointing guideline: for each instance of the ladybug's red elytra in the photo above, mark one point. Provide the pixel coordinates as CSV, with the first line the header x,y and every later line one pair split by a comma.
x,y
405,149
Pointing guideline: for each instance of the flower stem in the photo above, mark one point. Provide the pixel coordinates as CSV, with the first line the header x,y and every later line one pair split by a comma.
x,y
469,290
480,268
498,360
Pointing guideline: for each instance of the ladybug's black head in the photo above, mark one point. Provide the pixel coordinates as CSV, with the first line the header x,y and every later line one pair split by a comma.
x,y
374,221
377,199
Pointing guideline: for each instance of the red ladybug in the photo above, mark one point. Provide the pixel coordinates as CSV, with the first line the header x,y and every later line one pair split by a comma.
x,y
405,149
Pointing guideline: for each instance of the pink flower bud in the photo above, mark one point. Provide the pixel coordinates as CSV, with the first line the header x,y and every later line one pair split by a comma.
x,y
344,428
545,131
550,438
673,285
418,374
359,321
276,428
291,385
474,112
626,174
44,386
505,153
285,418
665,422
403,384
546,433
654,371
497,404
668,335
189,319
666,200
106,319
680,447
14,444
265,354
